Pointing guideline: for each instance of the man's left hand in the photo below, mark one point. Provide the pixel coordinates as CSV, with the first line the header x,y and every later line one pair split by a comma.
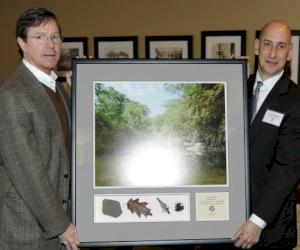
x,y
247,235
70,238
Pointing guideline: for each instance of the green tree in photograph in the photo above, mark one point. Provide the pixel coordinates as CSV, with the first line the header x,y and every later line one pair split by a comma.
x,y
116,117
206,108
172,122
135,115
199,115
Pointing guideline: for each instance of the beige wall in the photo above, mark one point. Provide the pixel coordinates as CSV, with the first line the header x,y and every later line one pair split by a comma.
x,y
146,17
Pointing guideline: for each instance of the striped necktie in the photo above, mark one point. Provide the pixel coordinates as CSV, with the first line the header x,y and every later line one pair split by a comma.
x,y
255,97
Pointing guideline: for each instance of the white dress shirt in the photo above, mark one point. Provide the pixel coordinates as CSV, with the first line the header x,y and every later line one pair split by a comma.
x,y
48,80
265,88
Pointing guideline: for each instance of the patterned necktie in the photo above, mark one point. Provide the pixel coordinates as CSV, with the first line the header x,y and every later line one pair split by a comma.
x,y
255,96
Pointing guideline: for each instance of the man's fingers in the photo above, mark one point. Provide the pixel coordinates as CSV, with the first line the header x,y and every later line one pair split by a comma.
x,y
236,236
239,242
77,237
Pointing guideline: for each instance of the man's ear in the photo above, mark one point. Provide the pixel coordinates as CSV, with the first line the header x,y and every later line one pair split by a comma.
x,y
21,43
256,46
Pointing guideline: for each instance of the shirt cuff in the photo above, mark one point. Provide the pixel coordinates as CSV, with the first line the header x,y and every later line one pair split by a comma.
x,y
258,221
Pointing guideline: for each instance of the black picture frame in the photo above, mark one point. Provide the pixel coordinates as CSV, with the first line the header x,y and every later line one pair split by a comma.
x,y
72,47
213,212
116,47
172,47
224,44
292,68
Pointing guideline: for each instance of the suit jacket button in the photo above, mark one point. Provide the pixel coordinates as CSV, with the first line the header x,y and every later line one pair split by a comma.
x,y
66,176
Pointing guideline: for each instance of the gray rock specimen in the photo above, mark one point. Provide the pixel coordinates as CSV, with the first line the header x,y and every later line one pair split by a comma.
x,y
111,208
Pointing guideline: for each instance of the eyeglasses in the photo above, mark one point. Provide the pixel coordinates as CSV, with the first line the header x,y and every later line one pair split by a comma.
x,y
43,38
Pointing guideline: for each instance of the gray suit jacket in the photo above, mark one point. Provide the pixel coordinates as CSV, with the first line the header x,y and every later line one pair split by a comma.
x,y
34,167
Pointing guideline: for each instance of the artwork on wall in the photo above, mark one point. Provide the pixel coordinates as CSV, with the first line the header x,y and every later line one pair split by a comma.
x,y
72,47
223,44
169,47
292,67
121,47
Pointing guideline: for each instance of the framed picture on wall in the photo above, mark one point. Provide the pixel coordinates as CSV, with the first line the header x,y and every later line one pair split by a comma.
x,y
121,47
169,47
223,44
292,67
72,47
147,168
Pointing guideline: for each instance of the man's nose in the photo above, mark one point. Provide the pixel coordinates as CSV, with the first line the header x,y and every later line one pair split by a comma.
x,y
273,51
50,42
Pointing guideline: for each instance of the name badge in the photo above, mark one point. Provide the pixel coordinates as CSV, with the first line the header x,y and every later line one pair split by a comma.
x,y
273,117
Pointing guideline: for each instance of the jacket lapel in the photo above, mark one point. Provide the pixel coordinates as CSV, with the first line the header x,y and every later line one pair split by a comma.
x,y
39,95
250,85
271,102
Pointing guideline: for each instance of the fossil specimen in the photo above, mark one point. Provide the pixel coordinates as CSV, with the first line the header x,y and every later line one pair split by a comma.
x,y
163,205
179,207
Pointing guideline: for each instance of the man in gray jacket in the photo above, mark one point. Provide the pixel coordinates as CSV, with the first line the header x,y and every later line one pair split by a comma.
x,y
35,143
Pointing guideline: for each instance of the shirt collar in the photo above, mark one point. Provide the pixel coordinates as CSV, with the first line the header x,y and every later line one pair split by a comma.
x,y
269,83
47,80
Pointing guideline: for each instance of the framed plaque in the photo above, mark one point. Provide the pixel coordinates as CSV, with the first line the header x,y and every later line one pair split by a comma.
x,y
116,47
224,44
159,151
169,47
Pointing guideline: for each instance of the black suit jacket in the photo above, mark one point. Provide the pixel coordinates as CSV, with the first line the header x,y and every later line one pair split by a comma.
x,y
274,160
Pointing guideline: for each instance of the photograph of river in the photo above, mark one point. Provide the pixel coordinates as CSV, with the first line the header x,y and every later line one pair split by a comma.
x,y
159,134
